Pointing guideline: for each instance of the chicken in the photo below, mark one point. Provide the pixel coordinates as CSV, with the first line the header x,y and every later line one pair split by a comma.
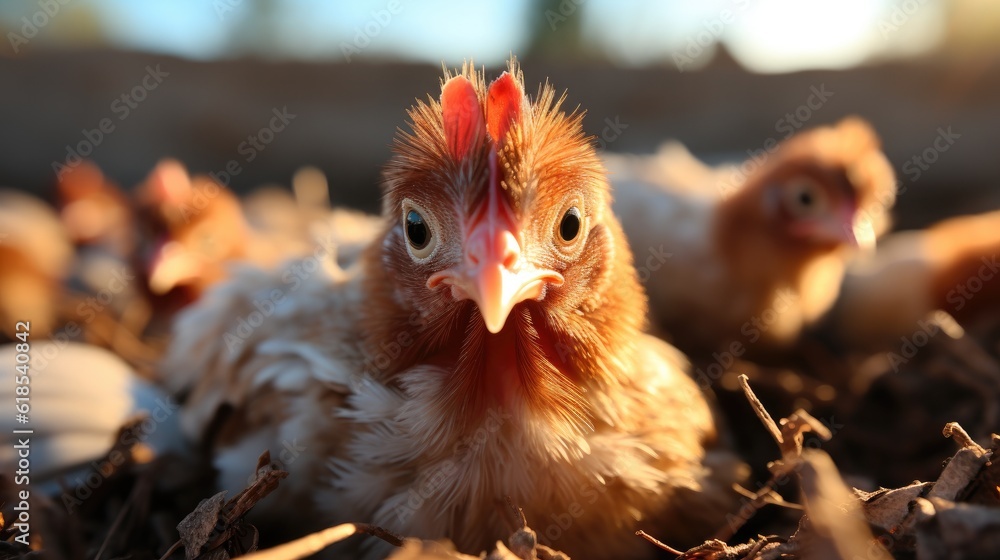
x,y
743,263
951,266
198,228
488,345
101,222
193,228
35,258
95,211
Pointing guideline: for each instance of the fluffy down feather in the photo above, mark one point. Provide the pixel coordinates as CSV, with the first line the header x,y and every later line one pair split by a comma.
x,y
951,266
404,410
752,254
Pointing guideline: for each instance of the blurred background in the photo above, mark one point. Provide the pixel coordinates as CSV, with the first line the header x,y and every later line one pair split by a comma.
x,y
127,83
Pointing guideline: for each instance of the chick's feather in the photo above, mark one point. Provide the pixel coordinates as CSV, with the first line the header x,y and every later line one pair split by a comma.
x,y
752,253
950,266
35,258
407,410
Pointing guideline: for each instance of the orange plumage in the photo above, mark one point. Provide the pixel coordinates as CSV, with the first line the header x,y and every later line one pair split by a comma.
x,y
757,261
95,211
36,257
198,229
953,266
501,353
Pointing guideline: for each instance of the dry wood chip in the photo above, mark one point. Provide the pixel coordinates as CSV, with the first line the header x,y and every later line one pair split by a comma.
x,y
957,530
197,527
838,523
886,509
959,473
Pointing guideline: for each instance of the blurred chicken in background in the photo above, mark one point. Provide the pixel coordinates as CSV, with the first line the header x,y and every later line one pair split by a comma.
x,y
196,228
104,293
193,226
35,258
953,266
751,255
95,211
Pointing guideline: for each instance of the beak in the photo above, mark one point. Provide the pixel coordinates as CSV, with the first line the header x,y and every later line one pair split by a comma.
x,y
494,275
172,266
844,227
864,234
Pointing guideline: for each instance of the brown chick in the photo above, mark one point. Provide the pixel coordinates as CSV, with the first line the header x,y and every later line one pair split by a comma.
x,y
95,211
199,229
35,258
196,229
953,266
745,268
101,222
488,345
194,226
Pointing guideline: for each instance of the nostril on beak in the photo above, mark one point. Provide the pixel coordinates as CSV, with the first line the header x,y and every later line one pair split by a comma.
x,y
476,249
508,250
500,250
510,258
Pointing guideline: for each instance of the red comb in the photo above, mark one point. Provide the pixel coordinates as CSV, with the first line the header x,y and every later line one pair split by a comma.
x,y
503,105
463,117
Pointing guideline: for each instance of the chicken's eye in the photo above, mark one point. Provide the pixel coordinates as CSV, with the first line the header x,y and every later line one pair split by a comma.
x,y
569,227
419,235
805,199
416,230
